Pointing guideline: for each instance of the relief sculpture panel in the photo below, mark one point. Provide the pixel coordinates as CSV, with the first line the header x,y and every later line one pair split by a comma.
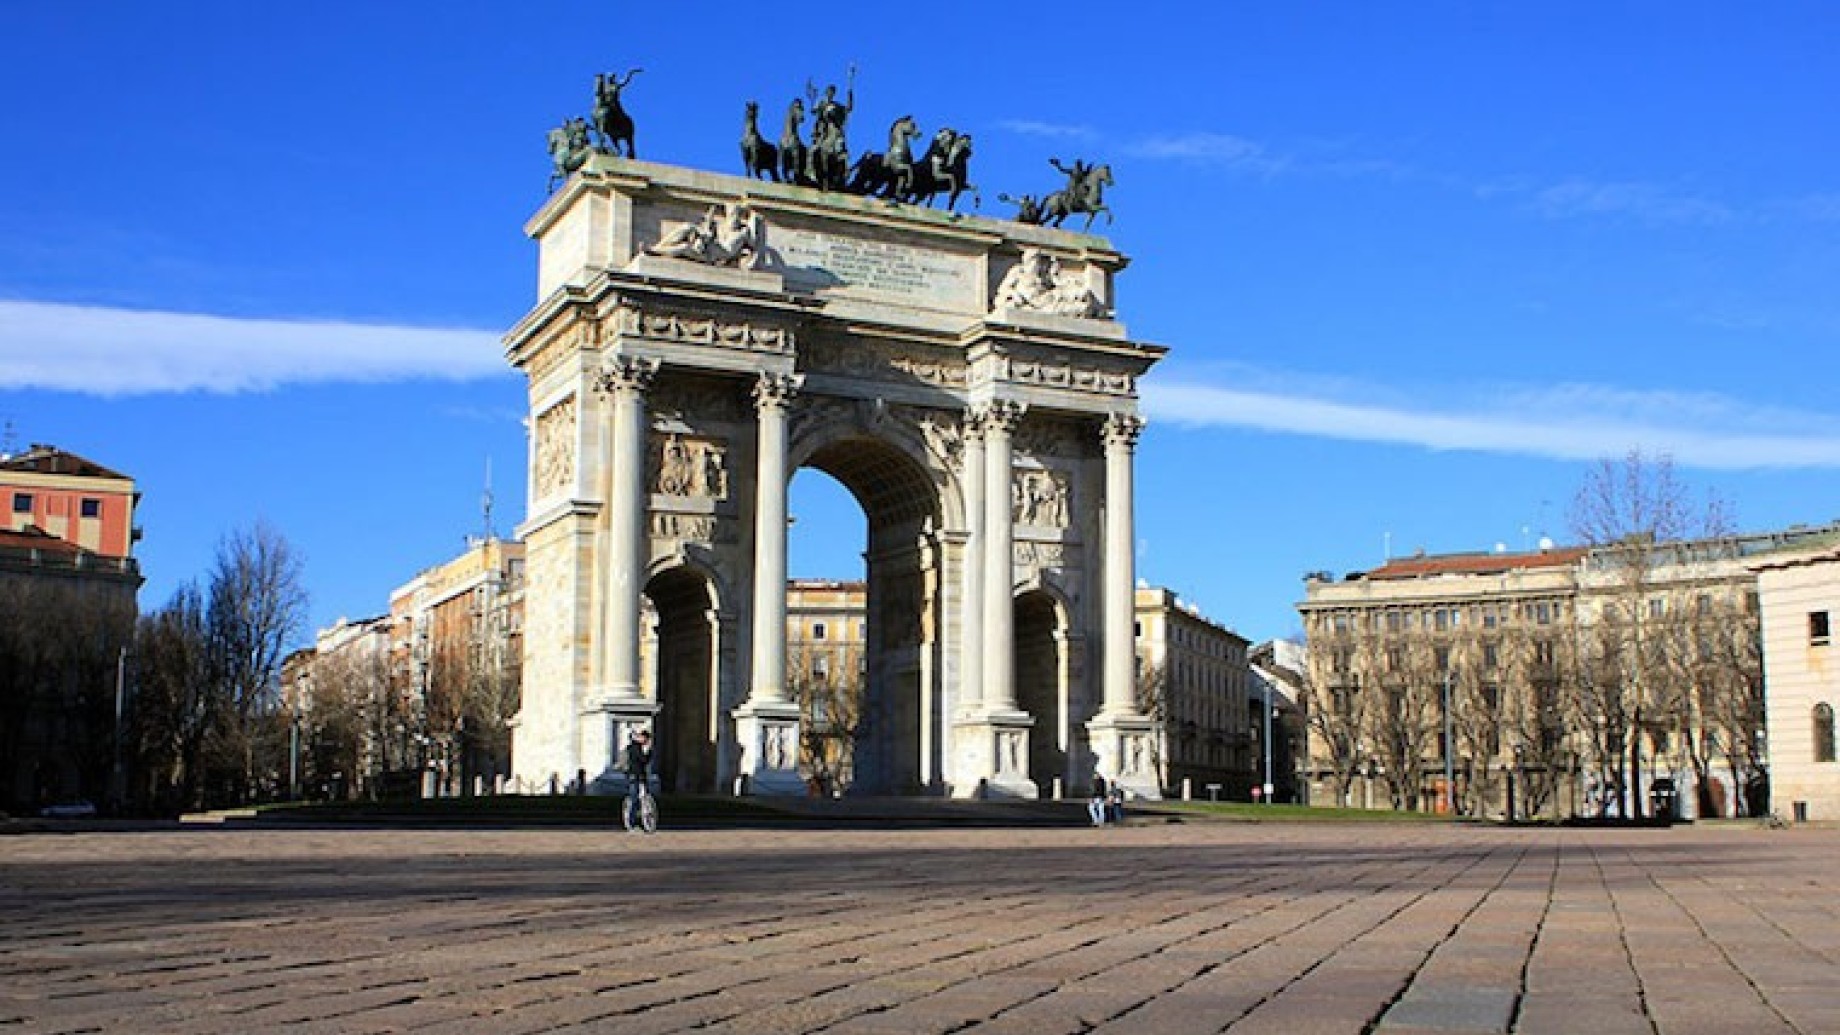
x,y
556,449
681,465
1039,498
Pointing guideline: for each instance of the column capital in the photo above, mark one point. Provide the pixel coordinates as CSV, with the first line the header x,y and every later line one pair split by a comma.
x,y
1120,431
776,391
1001,415
626,374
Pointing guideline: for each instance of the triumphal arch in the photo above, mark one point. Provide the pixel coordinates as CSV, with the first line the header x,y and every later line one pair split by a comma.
x,y
699,338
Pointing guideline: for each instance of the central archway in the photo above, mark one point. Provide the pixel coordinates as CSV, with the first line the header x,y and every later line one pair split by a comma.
x,y
896,748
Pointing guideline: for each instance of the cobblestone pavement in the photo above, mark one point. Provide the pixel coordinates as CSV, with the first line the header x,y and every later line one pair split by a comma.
x,y
1295,928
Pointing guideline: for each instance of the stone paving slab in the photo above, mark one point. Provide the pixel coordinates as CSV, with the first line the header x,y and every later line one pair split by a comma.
x,y
1181,928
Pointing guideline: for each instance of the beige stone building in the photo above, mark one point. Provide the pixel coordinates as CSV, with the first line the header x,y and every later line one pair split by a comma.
x,y
1546,683
1799,597
826,669
1193,677
459,629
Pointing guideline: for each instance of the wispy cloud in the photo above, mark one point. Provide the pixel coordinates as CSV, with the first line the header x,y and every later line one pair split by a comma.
x,y
108,352
1050,130
1648,202
1565,422
1223,149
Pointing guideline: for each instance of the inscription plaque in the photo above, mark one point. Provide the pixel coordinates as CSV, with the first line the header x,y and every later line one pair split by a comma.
x,y
815,262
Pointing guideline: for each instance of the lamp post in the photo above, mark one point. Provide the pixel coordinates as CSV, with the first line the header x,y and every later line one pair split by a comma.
x,y
1267,740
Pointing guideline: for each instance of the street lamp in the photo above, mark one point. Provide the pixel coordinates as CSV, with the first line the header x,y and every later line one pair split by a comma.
x,y
1267,740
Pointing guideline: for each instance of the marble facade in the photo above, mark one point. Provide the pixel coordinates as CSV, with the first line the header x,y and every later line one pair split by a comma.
x,y
697,339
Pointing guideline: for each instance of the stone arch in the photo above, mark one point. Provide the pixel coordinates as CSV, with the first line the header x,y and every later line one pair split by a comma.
x,y
1043,686
683,674
892,478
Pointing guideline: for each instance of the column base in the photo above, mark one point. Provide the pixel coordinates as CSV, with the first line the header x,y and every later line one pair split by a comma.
x,y
767,734
1124,747
993,756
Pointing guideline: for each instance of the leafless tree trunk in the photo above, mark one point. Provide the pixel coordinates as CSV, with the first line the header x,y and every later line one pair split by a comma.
x,y
1331,709
1632,510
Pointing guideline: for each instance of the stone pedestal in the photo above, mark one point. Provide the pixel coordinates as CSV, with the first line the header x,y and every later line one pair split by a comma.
x,y
767,732
605,733
1124,750
997,744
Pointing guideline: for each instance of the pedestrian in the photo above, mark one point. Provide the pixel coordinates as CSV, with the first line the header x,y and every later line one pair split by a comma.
x,y
1097,807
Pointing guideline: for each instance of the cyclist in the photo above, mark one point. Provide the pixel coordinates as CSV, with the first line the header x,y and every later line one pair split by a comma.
x,y
637,764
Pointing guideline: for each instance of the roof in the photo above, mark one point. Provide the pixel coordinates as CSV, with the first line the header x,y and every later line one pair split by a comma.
x,y
1475,563
43,459
33,537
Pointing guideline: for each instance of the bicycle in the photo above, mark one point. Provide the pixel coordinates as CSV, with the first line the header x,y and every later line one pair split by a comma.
x,y
640,809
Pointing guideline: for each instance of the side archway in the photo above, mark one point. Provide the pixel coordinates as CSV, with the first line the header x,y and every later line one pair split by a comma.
x,y
1042,684
682,644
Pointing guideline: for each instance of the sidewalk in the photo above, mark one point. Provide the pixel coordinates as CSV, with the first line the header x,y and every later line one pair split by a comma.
x,y
1147,929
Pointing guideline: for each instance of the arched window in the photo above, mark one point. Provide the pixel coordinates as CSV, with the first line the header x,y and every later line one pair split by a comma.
x,y
1823,732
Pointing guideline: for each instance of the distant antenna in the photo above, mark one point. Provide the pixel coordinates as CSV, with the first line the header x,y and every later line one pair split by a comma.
x,y
485,500
9,442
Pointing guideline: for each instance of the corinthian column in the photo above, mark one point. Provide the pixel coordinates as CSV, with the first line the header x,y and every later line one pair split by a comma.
x,y
1120,674
999,646
625,379
971,655
773,395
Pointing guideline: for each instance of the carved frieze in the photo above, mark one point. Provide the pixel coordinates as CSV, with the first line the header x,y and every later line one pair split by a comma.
x,y
555,464
1047,437
686,328
876,361
695,401
1061,374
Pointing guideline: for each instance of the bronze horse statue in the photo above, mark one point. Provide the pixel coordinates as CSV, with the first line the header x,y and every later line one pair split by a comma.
x,y
568,150
1086,195
792,149
891,174
944,169
611,122
758,157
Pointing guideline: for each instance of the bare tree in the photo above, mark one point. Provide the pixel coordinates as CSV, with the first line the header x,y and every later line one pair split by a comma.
x,y
1404,721
207,718
1534,659
1632,511
827,682
1331,708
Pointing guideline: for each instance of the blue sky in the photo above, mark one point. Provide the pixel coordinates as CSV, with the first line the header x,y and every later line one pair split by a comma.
x,y
1417,264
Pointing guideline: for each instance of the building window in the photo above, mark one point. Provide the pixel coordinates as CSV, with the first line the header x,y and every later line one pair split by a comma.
x,y
817,630
91,508
1817,629
1823,732
22,503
